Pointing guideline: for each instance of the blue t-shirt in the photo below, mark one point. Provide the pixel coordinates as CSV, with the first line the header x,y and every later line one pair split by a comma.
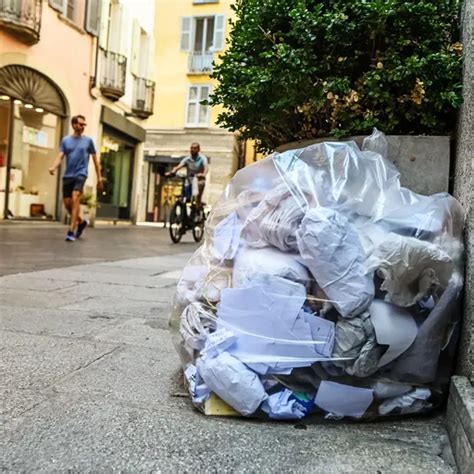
x,y
77,151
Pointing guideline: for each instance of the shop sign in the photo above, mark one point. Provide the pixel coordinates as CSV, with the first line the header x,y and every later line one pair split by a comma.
x,y
108,144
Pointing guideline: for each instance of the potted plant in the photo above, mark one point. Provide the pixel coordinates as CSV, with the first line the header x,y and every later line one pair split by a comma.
x,y
302,70
88,205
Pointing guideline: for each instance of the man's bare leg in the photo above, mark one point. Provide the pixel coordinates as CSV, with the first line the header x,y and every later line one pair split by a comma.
x,y
75,210
68,204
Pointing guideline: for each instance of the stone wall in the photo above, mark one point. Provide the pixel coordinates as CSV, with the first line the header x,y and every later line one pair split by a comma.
x,y
416,157
463,186
460,414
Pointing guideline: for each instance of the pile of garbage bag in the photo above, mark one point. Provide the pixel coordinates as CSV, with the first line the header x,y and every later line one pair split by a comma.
x,y
323,288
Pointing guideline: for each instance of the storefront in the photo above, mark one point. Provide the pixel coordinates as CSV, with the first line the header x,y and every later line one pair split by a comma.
x,y
120,139
161,191
32,118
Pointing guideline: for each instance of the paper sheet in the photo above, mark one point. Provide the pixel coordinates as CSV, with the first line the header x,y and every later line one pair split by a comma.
x,y
270,327
227,237
394,327
343,400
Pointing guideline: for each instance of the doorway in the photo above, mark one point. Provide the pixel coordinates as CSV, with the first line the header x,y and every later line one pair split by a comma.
x,y
117,159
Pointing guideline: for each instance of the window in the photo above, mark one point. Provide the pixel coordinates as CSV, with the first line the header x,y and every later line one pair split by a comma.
x,y
142,52
196,2
72,9
197,114
202,34
92,23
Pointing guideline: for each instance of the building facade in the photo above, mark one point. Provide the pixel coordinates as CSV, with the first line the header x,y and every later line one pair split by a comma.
x,y
37,96
189,35
124,89
59,58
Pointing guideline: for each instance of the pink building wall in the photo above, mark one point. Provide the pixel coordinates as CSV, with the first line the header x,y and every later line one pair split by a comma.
x,y
64,54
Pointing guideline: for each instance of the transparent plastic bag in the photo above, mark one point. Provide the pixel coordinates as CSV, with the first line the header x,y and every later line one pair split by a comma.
x,y
323,288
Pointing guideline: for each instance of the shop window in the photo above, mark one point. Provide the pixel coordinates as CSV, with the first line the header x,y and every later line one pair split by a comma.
x,y
117,160
32,191
197,113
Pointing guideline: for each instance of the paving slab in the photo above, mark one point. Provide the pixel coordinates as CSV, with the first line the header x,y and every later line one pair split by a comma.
x,y
37,299
27,282
139,375
84,433
28,247
117,305
35,362
134,293
54,322
17,402
137,332
95,385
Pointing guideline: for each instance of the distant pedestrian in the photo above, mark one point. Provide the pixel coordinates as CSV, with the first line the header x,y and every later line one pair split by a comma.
x,y
77,148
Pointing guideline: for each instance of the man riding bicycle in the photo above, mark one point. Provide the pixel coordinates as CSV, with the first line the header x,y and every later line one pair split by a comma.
x,y
197,166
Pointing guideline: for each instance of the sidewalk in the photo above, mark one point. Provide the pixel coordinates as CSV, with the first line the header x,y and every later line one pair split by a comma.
x,y
89,381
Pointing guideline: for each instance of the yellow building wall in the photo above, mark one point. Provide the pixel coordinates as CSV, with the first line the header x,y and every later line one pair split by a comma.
x,y
171,64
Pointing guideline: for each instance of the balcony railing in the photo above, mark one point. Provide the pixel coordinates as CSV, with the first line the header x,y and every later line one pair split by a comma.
x,y
200,62
143,97
112,70
21,18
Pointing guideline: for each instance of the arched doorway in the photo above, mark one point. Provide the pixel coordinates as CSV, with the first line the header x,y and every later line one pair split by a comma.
x,y
32,114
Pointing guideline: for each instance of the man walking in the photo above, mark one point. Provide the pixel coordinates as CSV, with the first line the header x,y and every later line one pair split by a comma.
x,y
76,148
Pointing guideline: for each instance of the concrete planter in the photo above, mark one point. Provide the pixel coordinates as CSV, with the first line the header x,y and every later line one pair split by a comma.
x,y
423,161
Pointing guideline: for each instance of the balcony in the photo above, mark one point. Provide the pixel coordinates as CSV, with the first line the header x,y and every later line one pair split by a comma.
x,y
143,97
22,19
200,63
112,70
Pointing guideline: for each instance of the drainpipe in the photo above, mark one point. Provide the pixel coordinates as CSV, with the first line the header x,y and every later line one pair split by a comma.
x,y
93,82
9,159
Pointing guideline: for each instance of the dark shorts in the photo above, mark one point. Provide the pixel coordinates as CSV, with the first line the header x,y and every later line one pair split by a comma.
x,y
73,184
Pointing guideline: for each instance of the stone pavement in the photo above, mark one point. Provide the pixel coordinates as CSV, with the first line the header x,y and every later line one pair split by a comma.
x,y
26,247
89,381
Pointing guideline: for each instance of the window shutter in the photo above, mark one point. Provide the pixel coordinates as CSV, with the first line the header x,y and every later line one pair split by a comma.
x,y
92,25
203,118
219,33
204,93
186,33
104,23
150,73
124,33
136,53
118,29
59,5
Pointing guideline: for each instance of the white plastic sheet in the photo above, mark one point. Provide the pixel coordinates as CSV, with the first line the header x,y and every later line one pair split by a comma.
x,y
323,288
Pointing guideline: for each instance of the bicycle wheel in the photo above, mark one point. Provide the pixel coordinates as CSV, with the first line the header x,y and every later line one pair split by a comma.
x,y
198,232
198,226
176,222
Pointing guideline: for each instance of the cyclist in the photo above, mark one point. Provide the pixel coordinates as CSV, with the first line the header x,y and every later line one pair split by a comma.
x,y
197,166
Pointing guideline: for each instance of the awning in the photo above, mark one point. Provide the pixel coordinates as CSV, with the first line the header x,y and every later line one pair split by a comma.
x,y
163,159
167,159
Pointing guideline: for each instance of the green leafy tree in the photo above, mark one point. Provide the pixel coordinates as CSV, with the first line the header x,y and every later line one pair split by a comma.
x,y
299,69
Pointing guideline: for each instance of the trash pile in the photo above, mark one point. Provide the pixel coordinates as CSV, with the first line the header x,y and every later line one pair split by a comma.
x,y
323,288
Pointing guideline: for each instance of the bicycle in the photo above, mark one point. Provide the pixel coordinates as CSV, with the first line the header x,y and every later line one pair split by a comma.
x,y
180,220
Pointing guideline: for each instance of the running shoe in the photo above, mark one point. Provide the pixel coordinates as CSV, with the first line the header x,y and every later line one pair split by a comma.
x,y
81,227
70,236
